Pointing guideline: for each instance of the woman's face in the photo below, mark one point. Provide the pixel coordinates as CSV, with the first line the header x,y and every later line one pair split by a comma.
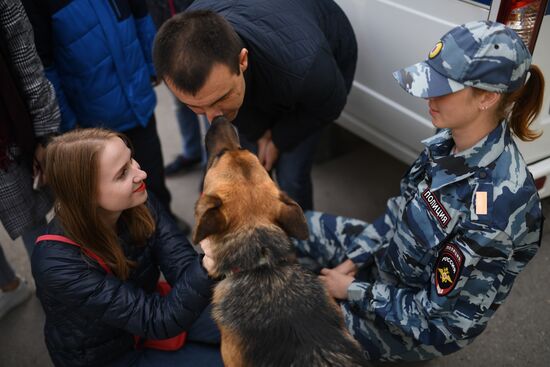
x,y
120,179
454,111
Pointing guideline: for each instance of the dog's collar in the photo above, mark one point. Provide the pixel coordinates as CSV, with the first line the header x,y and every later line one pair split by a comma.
x,y
236,270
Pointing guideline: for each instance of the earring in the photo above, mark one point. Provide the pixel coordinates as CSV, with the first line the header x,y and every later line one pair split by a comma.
x,y
483,108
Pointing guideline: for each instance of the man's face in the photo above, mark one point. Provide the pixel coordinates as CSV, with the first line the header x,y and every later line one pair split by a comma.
x,y
222,93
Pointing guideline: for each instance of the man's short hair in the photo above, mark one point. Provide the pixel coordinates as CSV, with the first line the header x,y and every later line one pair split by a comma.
x,y
189,44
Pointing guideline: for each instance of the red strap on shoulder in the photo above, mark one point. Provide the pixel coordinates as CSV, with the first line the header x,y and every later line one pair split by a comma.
x,y
55,237
89,253
172,7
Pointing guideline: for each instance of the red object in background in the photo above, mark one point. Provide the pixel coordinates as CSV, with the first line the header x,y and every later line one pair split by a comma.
x,y
524,17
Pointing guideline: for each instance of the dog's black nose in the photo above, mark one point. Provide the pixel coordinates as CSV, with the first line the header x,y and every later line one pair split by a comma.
x,y
219,119
221,135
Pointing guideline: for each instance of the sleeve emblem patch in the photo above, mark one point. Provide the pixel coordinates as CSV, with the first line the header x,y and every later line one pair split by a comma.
x,y
448,268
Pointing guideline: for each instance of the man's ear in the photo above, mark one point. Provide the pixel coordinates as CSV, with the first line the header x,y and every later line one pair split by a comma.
x,y
243,59
209,219
291,218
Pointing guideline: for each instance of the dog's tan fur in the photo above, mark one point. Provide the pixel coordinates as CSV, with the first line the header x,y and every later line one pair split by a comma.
x,y
259,306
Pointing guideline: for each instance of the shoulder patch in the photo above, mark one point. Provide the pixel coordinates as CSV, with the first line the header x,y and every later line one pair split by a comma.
x,y
448,268
436,208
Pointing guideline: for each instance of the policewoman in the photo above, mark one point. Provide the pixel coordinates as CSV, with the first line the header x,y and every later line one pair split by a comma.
x,y
424,279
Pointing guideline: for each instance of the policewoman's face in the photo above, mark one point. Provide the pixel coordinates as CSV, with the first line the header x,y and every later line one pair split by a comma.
x,y
455,110
120,180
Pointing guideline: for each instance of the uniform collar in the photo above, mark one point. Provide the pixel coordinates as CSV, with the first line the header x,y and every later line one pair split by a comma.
x,y
445,168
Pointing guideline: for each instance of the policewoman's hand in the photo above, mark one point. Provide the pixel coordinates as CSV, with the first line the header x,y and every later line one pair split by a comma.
x,y
336,283
348,267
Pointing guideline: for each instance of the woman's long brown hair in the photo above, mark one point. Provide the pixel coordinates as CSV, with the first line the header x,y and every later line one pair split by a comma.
x,y
522,107
72,173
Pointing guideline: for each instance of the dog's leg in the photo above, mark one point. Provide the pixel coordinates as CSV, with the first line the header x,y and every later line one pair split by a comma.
x,y
231,343
231,349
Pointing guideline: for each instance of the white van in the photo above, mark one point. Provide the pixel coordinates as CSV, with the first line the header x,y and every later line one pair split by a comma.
x,y
392,34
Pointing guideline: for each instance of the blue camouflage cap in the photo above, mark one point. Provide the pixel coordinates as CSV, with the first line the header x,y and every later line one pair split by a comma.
x,y
481,54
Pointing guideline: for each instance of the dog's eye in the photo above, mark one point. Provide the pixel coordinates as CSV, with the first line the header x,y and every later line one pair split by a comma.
x,y
222,152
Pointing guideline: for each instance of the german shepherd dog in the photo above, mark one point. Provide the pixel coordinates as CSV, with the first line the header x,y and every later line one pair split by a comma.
x,y
270,311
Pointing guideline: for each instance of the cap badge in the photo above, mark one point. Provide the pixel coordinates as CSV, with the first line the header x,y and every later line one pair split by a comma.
x,y
436,50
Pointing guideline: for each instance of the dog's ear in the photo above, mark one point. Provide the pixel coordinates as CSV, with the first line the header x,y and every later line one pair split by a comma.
x,y
291,218
208,217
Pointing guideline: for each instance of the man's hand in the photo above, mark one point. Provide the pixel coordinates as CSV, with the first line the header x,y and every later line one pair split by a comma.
x,y
155,81
268,153
336,283
207,260
38,167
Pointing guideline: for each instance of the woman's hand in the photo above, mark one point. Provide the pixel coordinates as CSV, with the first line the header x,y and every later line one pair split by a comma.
x,y
336,283
207,261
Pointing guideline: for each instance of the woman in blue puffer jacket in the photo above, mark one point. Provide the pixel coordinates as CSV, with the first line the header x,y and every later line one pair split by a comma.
x,y
99,292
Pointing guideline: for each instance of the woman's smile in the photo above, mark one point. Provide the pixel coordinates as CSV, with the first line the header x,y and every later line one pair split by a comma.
x,y
141,187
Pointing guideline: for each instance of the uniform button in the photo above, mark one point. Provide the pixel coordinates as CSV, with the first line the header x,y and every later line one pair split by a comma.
x,y
482,174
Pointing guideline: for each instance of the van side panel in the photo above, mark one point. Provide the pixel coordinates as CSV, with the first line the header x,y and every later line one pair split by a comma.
x,y
392,34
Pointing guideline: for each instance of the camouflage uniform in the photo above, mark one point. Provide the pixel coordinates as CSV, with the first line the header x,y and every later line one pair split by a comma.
x,y
444,256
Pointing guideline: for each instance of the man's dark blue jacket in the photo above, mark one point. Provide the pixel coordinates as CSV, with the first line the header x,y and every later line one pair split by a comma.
x,y
91,317
302,56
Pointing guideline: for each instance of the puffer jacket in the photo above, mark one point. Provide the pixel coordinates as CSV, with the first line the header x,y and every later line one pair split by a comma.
x,y
97,54
91,316
302,57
